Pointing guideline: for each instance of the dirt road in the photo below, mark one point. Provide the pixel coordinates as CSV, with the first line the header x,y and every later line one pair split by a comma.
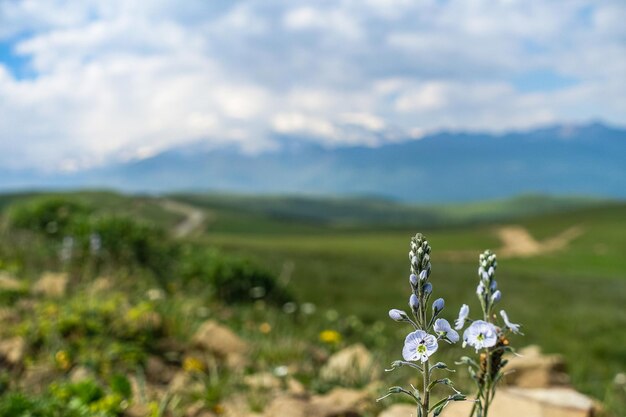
x,y
193,221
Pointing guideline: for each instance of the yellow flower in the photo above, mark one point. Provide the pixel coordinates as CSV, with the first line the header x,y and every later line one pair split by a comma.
x,y
265,328
191,364
62,359
330,336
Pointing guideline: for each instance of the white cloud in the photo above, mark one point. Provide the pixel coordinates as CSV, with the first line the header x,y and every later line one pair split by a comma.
x,y
120,79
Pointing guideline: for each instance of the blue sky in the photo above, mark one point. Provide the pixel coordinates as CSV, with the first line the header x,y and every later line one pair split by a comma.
x,y
85,82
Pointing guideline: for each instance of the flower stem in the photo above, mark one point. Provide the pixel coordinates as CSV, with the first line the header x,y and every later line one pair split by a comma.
x,y
426,395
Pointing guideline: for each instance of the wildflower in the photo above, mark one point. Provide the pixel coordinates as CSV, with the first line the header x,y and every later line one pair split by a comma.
x,y
460,322
512,326
191,364
290,307
414,302
480,335
62,359
281,371
480,289
308,309
423,275
442,327
419,345
265,327
330,336
397,315
438,305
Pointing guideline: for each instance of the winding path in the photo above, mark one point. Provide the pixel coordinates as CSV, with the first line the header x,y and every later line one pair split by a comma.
x,y
193,221
517,242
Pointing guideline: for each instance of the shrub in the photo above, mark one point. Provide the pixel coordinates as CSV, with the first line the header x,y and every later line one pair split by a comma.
x,y
51,216
232,279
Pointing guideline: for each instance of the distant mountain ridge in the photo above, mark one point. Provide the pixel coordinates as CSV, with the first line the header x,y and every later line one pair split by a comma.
x,y
443,167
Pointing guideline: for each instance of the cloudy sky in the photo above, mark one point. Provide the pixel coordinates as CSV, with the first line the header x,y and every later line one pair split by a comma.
x,y
86,81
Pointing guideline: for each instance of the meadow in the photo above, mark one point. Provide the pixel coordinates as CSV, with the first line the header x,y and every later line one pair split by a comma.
x,y
326,264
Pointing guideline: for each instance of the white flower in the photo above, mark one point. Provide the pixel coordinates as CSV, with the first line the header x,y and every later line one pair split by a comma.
x,y
419,345
458,324
512,326
443,328
480,334
397,315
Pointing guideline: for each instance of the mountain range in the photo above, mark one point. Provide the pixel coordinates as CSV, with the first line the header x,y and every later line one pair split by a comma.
x,y
443,167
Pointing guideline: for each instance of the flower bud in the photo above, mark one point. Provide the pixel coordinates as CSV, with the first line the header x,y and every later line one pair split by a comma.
x,y
427,288
413,280
423,275
438,305
496,296
480,289
493,286
414,302
397,315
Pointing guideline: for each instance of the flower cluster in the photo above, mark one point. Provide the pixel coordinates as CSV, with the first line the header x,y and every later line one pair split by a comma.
x,y
486,335
429,330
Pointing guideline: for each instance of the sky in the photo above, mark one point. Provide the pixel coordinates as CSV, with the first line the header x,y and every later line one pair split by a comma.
x,y
84,82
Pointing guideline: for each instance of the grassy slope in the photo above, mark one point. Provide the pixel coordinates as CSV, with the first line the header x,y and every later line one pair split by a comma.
x,y
269,214
146,208
570,301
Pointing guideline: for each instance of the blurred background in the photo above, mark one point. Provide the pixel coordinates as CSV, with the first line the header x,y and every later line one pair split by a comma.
x,y
206,206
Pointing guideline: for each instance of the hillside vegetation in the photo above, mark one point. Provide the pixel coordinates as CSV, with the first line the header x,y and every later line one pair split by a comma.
x,y
98,291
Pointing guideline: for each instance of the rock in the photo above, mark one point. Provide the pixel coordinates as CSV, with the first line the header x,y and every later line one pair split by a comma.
x,y
52,285
350,366
9,283
137,410
400,410
287,406
535,370
531,402
235,406
12,350
100,285
220,341
158,371
185,382
269,382
264,381
81,373
197,409
36,379
9,316
342,402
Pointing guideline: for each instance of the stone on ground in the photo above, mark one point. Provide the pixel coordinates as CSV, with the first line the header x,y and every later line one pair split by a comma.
x,y
342,402
9,283
12,350
531,402
535,370
400,410
351,365
53,285
220,341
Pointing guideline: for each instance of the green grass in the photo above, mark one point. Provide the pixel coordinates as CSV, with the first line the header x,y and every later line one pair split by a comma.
x,y
570,302
349,258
